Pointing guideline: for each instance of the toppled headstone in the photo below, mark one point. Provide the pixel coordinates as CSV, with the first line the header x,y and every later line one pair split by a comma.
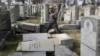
x,y
64,39
28,54
38,45
68,26
29,26
62,51
35,36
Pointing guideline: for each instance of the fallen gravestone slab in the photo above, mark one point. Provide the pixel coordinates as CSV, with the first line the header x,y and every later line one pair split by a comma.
x,y
35,36
29,26
28,54
68,26
64,39
38,45
62,51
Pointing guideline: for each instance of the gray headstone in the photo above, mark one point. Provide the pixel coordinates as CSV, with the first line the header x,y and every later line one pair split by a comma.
x,y
44,13
75,14
90,34
35,36
62,51
14,13
97,11
89,10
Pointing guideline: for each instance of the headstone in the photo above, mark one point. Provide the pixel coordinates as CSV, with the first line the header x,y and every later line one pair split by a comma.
x,y
21,9
89,10
3,7
44,13
28,54
35,36
62,51
14,13
97,12
5,23
75,14
38,45
67,17
90,35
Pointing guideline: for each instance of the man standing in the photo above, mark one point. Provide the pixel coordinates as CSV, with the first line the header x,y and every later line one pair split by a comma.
x,y
53,19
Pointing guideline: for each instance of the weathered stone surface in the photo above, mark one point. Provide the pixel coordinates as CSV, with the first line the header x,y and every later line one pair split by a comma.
x,y
75,14
38,45
16,54
29,26
90,31
28,54
62,51
44,13
68,26
87,51
64,39
67,17
14,13
35,36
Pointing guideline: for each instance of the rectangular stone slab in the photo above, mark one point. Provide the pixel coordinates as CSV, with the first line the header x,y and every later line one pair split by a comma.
x,y
90,31
68,26
62,51
28,26
28,54
35,36
86,51
38,45
64,39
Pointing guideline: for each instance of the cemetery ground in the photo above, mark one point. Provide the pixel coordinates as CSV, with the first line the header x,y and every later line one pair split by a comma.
x,y
11,46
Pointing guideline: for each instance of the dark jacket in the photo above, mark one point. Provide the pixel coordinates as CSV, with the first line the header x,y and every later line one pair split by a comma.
x,y
53,18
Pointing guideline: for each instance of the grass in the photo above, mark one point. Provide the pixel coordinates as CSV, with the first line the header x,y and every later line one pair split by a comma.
x,y
10,46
